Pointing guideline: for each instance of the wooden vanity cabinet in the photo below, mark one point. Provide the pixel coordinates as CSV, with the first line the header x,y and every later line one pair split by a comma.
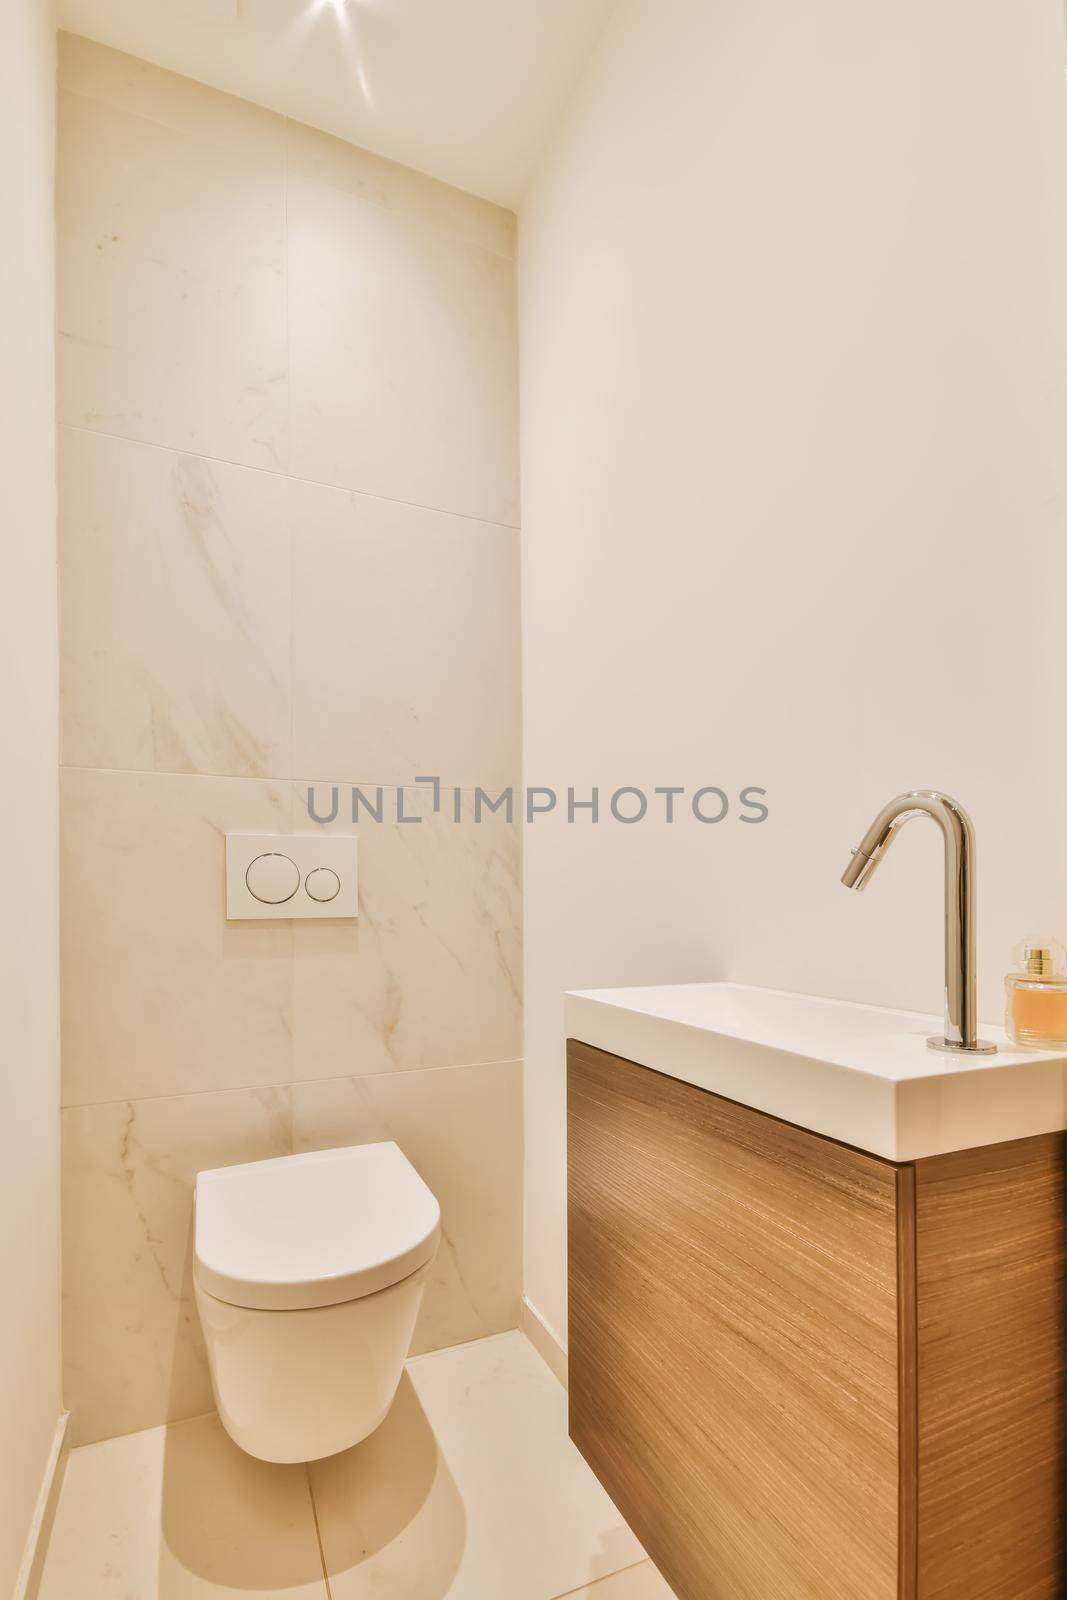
x,y
806,1373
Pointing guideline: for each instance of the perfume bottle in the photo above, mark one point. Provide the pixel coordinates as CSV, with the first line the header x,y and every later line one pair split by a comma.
x,y
1036,997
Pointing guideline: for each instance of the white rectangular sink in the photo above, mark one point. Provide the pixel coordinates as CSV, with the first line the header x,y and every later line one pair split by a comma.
x,y
860,1074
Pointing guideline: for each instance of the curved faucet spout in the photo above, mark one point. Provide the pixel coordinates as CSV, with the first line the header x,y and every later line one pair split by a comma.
x,y
950,816
961,1004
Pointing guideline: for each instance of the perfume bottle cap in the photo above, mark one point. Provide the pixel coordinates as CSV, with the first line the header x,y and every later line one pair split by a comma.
x,y
1040,958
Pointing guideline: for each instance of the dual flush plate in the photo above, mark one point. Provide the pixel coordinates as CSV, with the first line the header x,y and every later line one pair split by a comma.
x,y
292,875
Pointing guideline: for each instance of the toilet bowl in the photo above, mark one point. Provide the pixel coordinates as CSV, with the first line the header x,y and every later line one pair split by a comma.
x,y
309,1271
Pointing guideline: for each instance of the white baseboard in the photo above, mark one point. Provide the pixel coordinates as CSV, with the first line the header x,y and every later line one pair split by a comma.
x,y
545,1340
29,1578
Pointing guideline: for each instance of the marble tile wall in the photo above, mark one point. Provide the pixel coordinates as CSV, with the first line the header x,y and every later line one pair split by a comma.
x,y
288,553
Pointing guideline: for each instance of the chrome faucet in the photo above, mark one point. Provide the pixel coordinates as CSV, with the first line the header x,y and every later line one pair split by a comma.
x,y
961,1005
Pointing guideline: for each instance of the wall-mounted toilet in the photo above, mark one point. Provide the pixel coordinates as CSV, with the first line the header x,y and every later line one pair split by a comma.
x,y
309,1273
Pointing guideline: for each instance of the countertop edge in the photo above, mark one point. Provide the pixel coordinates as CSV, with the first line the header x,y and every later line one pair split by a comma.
x,y
899,1121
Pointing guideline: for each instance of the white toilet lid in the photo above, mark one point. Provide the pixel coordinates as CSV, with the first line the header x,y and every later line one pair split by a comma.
x,y
314,1229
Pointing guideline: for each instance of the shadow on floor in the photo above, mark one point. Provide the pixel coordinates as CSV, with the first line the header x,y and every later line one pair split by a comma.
x,y
243,1524
232,1521
389,1511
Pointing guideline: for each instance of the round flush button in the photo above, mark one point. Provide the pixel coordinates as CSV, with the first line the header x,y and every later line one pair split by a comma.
x,y
272,878
322,884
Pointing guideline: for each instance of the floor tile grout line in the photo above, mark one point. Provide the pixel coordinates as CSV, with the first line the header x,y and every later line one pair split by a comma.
x,y
595,1583
288,477
585,1549
318,1530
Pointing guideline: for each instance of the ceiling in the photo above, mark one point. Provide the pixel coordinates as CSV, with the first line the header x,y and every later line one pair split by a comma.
x,y
466,90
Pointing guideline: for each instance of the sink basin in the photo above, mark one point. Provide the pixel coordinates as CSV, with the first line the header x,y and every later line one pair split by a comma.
x,y
860,1074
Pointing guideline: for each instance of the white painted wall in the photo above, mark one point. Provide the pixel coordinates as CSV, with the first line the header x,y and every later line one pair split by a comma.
x,y
29,1063
794,452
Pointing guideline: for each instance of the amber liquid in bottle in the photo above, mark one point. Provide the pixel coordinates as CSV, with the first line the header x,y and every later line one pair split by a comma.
x,y
1036,1010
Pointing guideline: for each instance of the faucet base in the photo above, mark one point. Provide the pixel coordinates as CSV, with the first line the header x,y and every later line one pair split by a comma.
x,y
956,1047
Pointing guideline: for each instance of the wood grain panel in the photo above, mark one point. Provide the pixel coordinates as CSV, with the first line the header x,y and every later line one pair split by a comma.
x,y
992,1335
733,1338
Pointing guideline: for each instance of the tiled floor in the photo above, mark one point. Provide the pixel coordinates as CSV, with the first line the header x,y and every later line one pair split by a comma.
x,y
470,1490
